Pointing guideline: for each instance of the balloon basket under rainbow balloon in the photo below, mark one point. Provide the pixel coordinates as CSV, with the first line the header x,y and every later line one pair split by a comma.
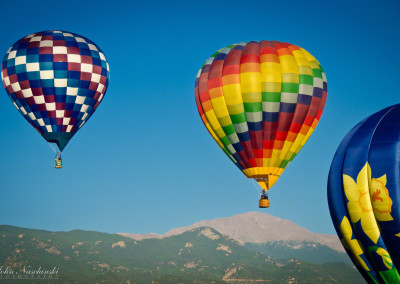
x,y
264,201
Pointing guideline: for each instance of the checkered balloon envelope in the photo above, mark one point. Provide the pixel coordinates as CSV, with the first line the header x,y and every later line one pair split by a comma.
x,y
56,80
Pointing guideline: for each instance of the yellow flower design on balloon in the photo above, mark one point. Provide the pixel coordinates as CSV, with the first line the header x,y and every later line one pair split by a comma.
x,y
352,244
381,201
368,199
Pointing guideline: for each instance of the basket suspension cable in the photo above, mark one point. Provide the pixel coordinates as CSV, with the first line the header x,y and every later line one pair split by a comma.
x,y
256,185
52,147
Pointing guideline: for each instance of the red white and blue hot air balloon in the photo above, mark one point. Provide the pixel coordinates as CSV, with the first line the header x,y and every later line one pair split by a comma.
x,y
56,80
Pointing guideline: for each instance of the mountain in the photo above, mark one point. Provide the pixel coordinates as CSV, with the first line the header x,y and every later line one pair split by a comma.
x,y
254,227
200,255
270,235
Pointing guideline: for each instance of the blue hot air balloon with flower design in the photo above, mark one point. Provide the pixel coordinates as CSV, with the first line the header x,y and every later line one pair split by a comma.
x,y
364,195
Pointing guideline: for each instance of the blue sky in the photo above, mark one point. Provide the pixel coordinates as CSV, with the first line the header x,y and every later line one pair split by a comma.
x,y
144,162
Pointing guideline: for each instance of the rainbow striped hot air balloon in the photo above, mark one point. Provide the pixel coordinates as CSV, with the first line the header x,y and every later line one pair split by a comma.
x,y
261,101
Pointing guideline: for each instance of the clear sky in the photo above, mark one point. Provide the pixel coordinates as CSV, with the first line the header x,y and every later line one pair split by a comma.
x,y
144,162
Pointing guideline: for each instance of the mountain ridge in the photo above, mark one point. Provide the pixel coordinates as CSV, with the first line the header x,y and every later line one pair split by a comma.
x,y
200,255
253,227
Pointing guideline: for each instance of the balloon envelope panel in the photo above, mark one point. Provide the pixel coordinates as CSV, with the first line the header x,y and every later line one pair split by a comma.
x,y
56,80
363,195
261,101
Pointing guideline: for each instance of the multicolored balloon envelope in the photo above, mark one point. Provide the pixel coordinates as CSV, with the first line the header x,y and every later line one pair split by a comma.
x,y
56,80
364,195
261,101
